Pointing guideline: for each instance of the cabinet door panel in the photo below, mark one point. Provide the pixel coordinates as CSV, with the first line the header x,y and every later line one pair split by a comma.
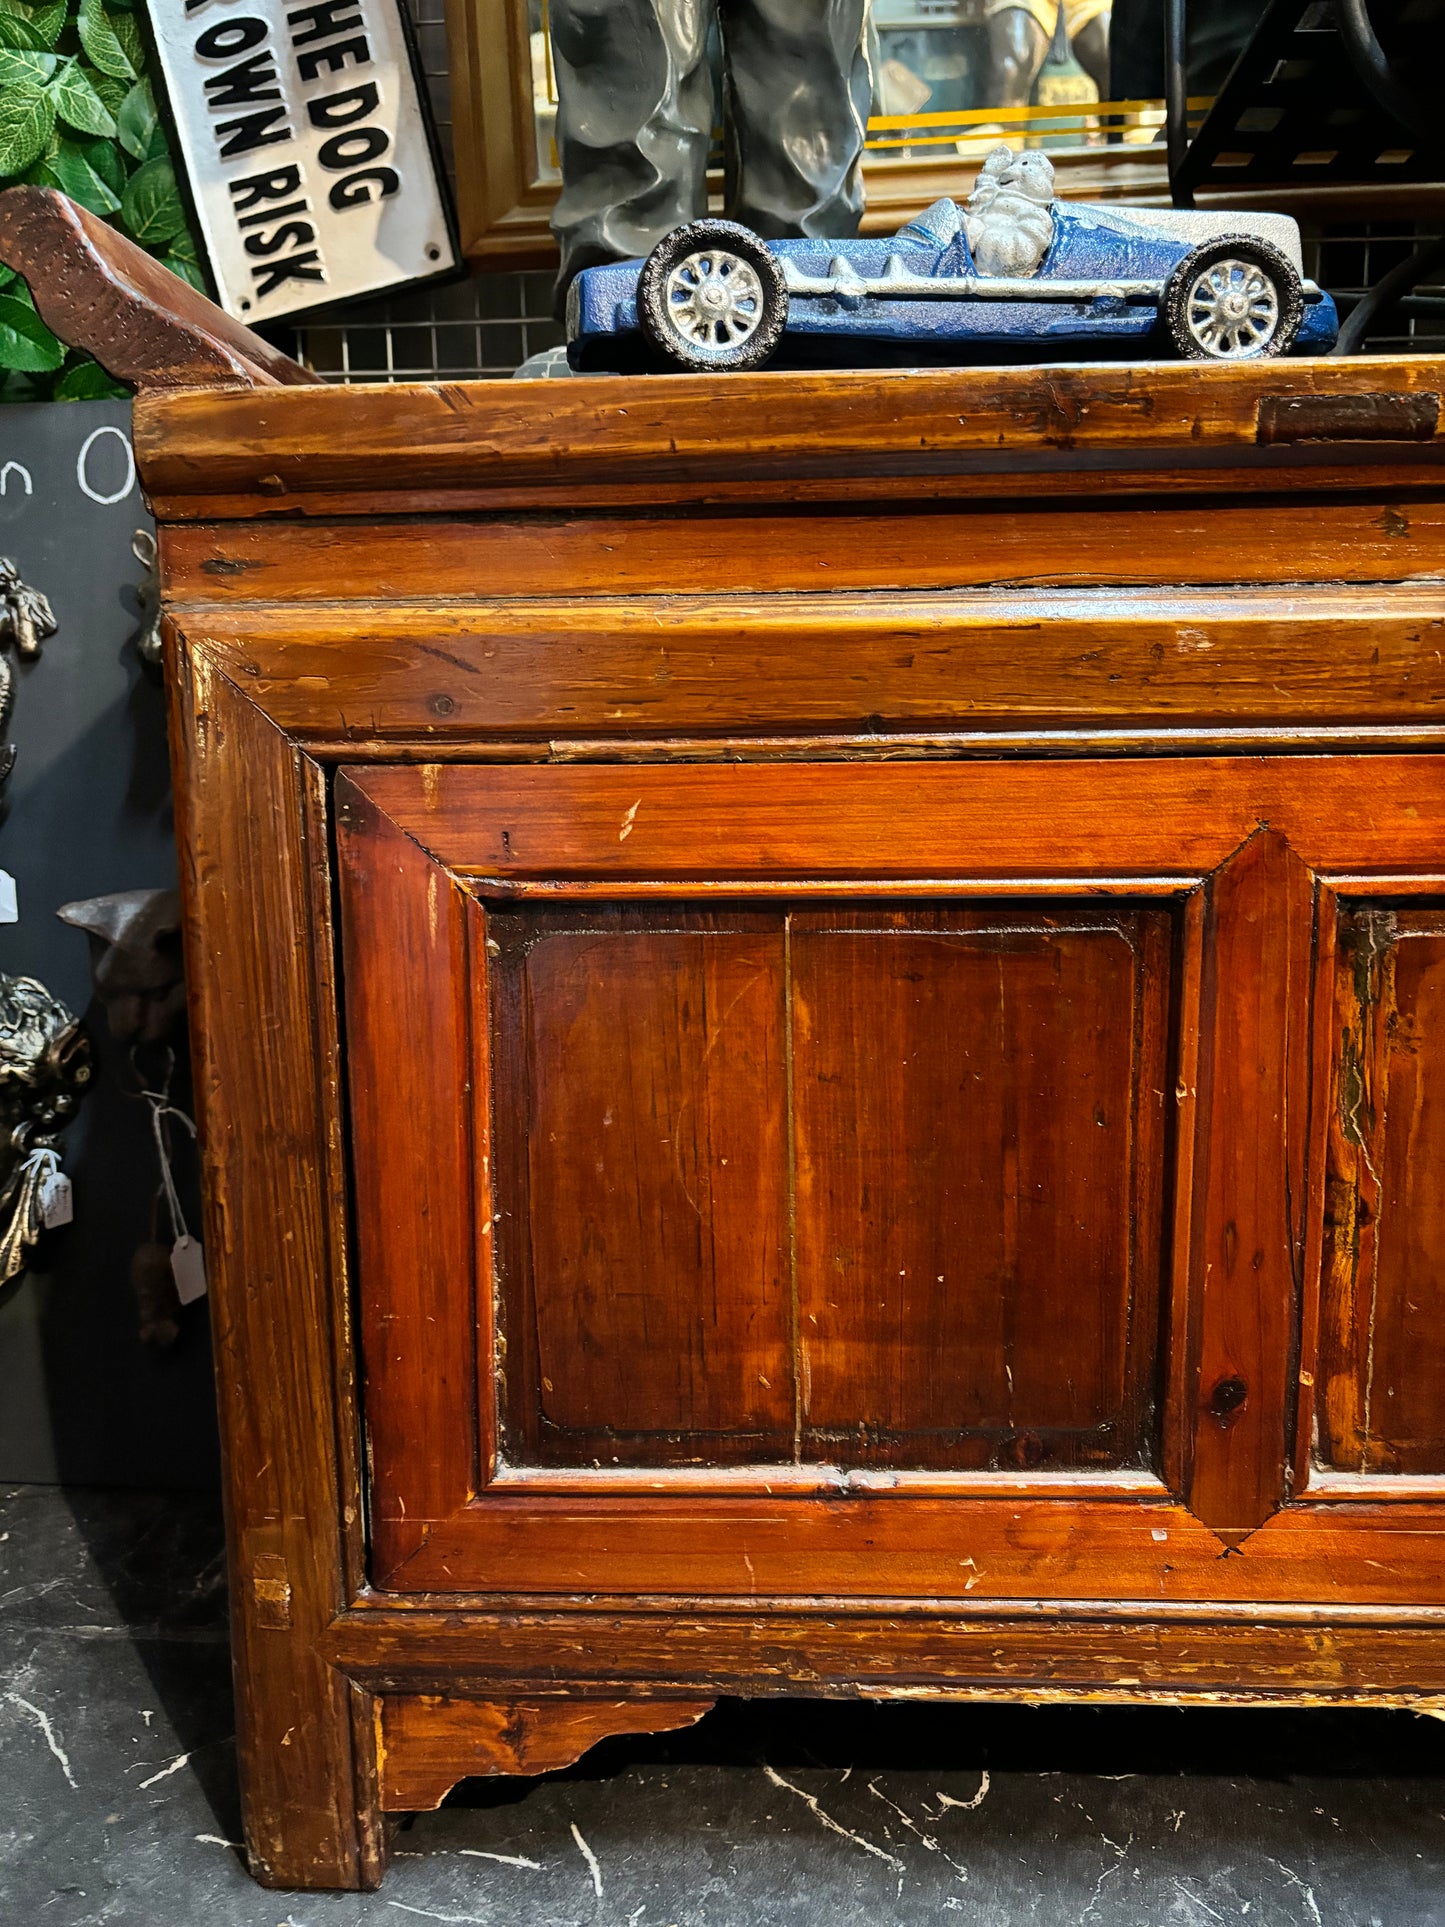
x,y
1383,1322
968,1163
858,1187
806,1192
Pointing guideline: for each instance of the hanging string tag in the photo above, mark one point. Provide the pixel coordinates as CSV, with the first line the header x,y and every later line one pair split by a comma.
x,y
53,1195
188,1268
188,1260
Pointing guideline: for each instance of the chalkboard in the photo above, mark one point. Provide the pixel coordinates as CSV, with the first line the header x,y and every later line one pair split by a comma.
x,y
88,811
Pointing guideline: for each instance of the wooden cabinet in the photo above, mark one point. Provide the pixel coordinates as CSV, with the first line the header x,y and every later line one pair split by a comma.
x,y
820,1006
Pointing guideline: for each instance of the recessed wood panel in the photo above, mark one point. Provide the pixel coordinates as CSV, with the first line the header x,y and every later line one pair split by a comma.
x,y
1383,1315
862,1186
971,1162
646,1256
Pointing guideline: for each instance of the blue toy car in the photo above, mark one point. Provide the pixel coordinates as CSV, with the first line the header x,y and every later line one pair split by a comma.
x,y
1014,274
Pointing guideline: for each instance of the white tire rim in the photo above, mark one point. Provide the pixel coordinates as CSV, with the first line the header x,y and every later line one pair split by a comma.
x,y
1232,310
714,302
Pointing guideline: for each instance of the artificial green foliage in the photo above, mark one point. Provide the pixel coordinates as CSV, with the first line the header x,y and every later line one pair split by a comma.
x,y
78,113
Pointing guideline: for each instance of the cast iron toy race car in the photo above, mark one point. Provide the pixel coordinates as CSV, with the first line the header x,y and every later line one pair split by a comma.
x,y
1013,275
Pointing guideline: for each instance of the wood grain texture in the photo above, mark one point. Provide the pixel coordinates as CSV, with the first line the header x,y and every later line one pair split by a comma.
x,y
1221,1653
407,993
675,433
722,1135
642,1142
978,1117
882,1542
1382,1366
1165,538
98,291
1251,1152
463,673
1172,817
273,1240
427,1742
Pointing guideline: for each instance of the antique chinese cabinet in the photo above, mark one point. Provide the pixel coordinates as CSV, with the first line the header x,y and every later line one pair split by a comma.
x,y
820,1010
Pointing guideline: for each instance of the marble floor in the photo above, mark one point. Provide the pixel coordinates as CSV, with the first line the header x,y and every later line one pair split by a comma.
x,y
118,1793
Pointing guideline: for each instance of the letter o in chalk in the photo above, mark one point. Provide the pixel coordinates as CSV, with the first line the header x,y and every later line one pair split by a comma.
x,y
81,459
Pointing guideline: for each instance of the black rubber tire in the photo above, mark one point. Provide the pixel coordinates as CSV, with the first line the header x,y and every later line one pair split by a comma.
x,y
673,347
1280,270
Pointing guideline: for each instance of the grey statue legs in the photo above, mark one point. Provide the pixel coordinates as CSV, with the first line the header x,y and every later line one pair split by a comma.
x,y
634,124
798,93
635,110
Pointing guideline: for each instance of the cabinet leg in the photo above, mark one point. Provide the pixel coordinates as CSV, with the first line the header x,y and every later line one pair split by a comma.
x,y
310,1795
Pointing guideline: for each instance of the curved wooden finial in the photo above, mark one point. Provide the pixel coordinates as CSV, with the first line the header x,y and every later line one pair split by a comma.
x,y
100,292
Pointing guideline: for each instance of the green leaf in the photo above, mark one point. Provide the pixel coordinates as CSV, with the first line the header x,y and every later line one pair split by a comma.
x,y
70,171
104,157
135,122
151,205
188,268
126,31
111,91
27,115
78,104
30,26
185,246
25,341
19,31
88,381
24,68
97,36
6,275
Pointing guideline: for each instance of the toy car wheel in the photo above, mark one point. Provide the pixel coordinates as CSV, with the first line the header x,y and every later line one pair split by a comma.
x,y
1233,299
712,295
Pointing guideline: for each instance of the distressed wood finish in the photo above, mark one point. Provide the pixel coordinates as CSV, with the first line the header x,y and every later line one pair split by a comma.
x,y
265,1082
973,665
421,1741
99,291
871,1071
1250,1180
410,1057
669,440
1382,1400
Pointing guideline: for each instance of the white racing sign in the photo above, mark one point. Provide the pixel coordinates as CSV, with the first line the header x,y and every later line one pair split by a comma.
x,y
307,152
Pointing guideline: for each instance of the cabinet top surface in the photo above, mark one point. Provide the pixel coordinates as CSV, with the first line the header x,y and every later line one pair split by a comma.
x,y
263,452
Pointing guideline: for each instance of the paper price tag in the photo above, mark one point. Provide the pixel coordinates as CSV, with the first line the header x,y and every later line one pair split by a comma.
x,y
188,1268
9,899
57,1205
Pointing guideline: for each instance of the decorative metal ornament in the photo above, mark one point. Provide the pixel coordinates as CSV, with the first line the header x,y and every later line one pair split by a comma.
x,y
44,1070
26,620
